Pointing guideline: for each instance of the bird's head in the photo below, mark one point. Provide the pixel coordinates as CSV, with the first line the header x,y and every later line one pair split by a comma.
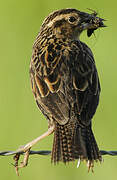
x,y
70,23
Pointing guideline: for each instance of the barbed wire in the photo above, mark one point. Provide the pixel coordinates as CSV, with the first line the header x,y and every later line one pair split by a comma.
x,y
8,153
43,152
16,155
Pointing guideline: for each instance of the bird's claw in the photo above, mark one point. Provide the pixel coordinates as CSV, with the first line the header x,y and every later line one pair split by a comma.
x,y
90,165
16,158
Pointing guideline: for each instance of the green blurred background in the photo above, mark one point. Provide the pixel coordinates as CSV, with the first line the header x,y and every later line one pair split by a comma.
x,y
21,121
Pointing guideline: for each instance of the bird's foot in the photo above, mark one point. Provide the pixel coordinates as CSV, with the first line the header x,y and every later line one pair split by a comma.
x,y
26,150
90,165
16,158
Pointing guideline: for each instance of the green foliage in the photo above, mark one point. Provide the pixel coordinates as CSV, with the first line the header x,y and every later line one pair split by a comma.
x,y
20,119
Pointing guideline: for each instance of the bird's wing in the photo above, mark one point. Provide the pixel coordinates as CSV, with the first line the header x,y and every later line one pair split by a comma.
x,y
46,81
86,83
63,81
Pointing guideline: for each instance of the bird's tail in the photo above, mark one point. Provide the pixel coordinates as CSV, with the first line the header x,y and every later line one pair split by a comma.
x,y
74,144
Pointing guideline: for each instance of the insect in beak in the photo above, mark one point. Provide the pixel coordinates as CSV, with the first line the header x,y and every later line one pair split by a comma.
x,y
91,22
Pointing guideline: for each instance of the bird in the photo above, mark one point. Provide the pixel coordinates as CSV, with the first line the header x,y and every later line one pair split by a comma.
x,y
66,86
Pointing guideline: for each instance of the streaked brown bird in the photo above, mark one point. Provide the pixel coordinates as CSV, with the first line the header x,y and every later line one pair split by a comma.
x,y
65,84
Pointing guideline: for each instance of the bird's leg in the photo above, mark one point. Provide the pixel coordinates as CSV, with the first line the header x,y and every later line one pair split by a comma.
x,y
26,148
33,142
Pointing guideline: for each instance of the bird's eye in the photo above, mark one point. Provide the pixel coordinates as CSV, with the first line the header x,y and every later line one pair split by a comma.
x,y
72,19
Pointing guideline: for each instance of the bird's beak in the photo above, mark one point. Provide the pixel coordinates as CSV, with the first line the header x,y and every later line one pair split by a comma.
x,y
91,21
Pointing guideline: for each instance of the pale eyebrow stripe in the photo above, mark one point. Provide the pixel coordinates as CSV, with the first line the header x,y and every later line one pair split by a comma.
x,y
59,17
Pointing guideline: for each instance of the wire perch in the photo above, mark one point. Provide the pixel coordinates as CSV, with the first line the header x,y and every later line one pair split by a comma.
x,y
43,152
8,153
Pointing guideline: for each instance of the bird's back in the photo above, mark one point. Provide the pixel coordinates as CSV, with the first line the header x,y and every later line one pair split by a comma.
x,y
65,81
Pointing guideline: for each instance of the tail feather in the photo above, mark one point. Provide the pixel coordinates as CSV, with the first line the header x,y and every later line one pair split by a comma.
x,y
62,146
56,152
74,143
92,146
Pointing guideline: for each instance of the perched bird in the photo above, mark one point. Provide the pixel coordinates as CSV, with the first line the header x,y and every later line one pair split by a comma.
x,y
66,85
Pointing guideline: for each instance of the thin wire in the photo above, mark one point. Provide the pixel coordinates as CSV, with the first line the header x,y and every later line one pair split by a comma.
x,y
8,153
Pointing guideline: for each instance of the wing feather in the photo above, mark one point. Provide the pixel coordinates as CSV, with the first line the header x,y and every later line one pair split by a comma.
x,y
65,83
